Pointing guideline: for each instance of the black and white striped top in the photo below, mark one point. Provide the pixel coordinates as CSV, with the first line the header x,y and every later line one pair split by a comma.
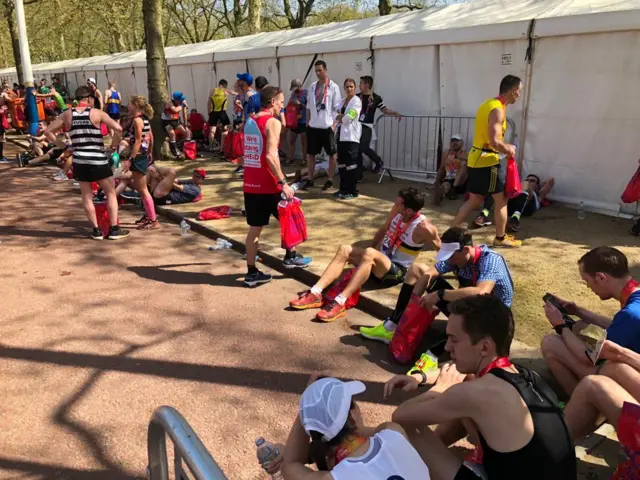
x,y
146,130
86,139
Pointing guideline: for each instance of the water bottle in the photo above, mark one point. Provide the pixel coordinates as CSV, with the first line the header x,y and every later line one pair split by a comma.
x,y
581,212
184,228
220,244
115,159
295,188
267,453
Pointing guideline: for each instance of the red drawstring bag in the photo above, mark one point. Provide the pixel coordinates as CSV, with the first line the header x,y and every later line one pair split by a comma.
x,y
513,185
237,145
628,430
293,227
215,213
104,130
226,146
412,327
339,287
190,150
631,194
291,115
102,215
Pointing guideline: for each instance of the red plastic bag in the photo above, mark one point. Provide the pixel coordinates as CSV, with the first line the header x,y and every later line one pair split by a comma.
x,y
104,130
226,146
412,327
513,185
215,213
190,149
631,194
293,227
628,430
102,215
339,287
237,145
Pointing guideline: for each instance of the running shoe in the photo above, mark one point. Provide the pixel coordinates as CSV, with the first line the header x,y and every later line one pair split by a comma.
x,y
327,185
348,196
149,225
481,221
378,167
257,278
116,233
60,176
513,224
4,160
96,234
426,363
378,333
507,242
142,219
337,194
306,300
307,185
331,312
297,262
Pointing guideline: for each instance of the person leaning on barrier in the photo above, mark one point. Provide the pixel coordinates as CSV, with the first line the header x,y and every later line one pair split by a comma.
x,y
605,270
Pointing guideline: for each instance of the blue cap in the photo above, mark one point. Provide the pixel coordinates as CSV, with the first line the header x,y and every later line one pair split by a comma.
x,y
178,96
245,77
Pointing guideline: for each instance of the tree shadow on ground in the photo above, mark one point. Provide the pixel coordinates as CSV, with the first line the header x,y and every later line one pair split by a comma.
x,y
42,470
167,274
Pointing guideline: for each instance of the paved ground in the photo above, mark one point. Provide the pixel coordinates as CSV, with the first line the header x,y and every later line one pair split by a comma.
x,y
95,335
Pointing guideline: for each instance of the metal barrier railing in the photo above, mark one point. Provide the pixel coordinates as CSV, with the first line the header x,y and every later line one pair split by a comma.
x,y
168,421
414,143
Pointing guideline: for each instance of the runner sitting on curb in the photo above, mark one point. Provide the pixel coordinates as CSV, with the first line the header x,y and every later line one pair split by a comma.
x,y
508,409
478,270
395,247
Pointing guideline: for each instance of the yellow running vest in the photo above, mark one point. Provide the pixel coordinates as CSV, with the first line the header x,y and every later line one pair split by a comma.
x,y
481,154
219,100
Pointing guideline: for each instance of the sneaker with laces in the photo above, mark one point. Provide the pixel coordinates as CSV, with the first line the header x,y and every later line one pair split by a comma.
x,y
307,185
149,225
327,185
426,363
142,219
96,234
513,224
507,242
378,333
257,278
116,233
60,177
306,300
331,312
481,221
296,262
348,196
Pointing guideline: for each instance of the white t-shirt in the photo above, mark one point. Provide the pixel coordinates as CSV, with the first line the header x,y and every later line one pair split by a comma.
x,y
323,117
390,457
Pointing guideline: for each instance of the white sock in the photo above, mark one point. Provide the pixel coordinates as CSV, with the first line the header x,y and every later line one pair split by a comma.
x,y
316,290
341,299
389,326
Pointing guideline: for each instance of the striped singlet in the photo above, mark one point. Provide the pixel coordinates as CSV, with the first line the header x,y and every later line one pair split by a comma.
x,y
86,140
146,130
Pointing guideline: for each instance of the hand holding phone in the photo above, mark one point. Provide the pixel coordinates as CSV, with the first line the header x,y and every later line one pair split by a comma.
x,y
552,300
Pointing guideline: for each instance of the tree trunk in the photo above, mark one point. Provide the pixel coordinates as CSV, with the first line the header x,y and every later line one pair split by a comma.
x,y
9,12
118,40
255,9
156,69
384,7
63,44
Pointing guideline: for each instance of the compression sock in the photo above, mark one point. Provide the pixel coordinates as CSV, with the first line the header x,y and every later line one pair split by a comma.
x,y
174,148
149,208
485,212
403,301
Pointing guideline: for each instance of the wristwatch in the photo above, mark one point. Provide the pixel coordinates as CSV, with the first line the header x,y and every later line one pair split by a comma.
x,y
422,374
282,182
559,328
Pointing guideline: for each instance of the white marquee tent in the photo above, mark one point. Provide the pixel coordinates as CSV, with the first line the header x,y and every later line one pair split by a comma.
x,y
578,119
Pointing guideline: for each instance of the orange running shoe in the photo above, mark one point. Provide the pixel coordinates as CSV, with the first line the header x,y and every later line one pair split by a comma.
x,y
306,300
331,312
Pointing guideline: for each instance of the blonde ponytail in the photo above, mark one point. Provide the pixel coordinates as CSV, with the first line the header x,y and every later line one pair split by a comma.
x,y
141,102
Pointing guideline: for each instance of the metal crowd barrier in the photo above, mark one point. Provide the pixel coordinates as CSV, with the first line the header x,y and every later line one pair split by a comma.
x,y
187,446
414,144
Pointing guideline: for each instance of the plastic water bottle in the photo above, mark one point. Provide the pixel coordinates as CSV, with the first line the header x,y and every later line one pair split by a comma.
x,y
295,188
184,228
115,158
581,212
267,453
220,244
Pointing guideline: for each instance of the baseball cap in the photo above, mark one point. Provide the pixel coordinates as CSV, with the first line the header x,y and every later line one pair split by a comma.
x,y
178,96
325,405
295,83
245,77
201,172
457,136
92,80
446,250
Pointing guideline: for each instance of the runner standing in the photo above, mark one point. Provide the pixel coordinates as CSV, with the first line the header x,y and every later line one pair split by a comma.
x,y
264,182
112,99
485,173
218,110
297,107
90,162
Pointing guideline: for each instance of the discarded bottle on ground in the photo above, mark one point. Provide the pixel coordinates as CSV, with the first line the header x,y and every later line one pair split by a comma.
x,y
184,228
220,244
267,453
294,186
582,214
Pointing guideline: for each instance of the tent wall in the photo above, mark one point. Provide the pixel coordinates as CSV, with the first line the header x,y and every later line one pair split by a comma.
x,y
267,67
181,80
203,80
583,122
140,78
296,67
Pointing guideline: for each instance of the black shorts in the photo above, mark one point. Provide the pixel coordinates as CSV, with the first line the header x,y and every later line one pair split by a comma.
x,y
172,123
140,164
319,139
460,189
532,206
91,173
115,116
219,117
299,129
486,180
261,206
394,276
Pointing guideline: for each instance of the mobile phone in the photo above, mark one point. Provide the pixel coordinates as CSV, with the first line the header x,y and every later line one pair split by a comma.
x,y
548,297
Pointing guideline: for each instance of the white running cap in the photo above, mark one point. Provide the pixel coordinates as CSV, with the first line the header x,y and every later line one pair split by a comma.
x,y
325,405
446,250
457,136
92,80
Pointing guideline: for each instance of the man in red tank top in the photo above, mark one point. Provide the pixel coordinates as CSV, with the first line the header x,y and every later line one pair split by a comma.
x,y
264,182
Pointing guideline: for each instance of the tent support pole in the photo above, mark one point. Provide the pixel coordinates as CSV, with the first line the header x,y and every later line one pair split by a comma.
x,y
529,57
372,58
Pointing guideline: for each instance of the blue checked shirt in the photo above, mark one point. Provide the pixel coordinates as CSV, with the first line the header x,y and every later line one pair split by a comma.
x,y
491,266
